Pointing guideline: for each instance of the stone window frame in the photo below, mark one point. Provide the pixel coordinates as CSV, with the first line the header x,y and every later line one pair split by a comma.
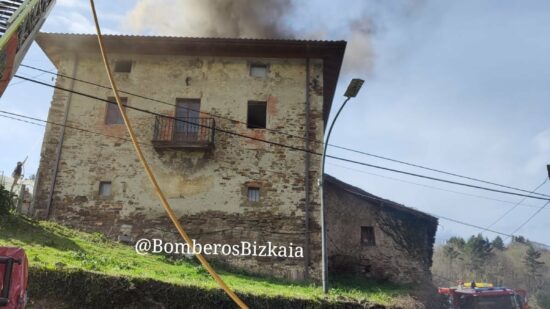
x,y
106,120
253,194
256,185
119,66
100,186
368,236
253,64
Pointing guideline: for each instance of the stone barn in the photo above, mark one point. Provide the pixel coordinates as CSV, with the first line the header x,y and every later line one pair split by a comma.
x,y
376,237
205,97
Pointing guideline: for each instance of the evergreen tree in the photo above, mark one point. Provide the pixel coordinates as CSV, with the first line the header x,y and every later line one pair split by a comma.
x,y
453,250
533,266
477,252
498,243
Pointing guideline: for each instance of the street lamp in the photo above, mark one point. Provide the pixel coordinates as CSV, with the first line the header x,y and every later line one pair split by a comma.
x,y
353,88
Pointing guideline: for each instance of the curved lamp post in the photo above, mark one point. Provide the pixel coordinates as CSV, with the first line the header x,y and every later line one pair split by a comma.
x,y
351,92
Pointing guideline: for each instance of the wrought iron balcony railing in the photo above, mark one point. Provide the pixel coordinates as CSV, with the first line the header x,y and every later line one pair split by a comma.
x,y
183,132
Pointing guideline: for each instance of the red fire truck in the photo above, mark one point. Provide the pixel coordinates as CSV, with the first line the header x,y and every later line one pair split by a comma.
x,y
484,296
13,278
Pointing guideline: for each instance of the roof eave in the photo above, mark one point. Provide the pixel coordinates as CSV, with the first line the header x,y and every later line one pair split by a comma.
x,y
331,52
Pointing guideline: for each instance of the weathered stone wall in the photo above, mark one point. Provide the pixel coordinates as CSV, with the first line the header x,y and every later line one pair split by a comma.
x,y
206,188
404,242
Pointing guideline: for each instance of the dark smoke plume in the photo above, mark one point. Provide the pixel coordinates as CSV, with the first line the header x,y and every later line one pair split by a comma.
x,y
212,18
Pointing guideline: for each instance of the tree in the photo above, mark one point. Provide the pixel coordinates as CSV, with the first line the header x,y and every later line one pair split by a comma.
x,y
498,243
477,252
452,250
533,265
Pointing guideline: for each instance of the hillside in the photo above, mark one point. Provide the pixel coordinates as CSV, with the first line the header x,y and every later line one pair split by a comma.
x,y
70,267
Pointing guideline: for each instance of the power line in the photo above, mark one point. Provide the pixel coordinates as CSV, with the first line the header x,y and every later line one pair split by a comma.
x,y
98,133
431,187
514,207
431,214
283,145
151,145
353,192
530,218
434,178
291,135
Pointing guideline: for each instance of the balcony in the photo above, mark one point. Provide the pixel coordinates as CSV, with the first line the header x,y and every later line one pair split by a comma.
x,y
190,133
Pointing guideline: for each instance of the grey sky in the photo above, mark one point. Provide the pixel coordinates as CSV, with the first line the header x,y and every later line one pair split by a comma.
x,y
462,86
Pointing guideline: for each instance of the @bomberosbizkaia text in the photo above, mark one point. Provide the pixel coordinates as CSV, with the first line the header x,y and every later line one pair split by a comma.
x,y
244,248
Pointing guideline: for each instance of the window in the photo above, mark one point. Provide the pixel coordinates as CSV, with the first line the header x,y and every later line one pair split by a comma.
x,y
253,194
112,115
258,70
367,236
256,114
123,66
105,188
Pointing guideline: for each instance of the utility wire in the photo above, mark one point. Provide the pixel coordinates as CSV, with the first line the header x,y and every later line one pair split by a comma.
x,y
151,145
431,187
530,218
103,134
427,213
289,134
435,178
354,192
281,144
454,220
514,207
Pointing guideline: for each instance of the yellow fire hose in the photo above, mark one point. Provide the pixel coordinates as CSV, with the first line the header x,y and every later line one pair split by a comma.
x,y
149,172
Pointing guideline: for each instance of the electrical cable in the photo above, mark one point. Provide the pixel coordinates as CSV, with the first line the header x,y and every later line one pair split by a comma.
x,y
122,138
370,197
107,135
431,187
530,218
515,206
287,146
430,214
289,134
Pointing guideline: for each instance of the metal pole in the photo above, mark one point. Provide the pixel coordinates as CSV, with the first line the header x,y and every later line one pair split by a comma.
x,y
324,249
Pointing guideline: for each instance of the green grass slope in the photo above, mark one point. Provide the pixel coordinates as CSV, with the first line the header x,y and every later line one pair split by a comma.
x,y
54,248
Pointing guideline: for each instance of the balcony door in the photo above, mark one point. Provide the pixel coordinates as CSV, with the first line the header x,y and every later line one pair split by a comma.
x,y
188,110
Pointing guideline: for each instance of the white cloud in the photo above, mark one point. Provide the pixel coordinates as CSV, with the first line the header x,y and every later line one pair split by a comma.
x,y
73,4
75,22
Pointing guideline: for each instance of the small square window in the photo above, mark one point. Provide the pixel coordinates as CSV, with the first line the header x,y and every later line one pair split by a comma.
x,y
258,70
367,236
105,188
113,115
253,194
123,66
256,115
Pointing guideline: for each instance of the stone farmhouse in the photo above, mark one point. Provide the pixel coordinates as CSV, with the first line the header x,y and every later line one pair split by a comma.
x,y
225,188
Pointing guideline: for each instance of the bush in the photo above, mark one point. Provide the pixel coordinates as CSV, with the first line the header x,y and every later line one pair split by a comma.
x,y
80,289
7,201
